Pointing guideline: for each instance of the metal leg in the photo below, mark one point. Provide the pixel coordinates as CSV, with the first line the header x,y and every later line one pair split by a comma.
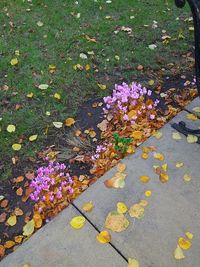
x,y
195,8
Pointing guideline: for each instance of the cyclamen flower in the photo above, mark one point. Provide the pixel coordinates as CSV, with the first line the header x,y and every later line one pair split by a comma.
x,y
47,179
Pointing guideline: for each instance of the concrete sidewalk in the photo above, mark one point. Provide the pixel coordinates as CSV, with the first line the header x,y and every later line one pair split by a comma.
x,y
173,210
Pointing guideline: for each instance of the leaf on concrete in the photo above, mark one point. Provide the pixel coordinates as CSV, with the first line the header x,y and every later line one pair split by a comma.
x,y
191,139
178,253
144,179
103,237
176,136
184,243
136,211
88,206
77,222
133,263
121,208
116,222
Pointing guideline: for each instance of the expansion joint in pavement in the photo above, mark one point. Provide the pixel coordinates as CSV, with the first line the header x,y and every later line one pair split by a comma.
x,y
94,226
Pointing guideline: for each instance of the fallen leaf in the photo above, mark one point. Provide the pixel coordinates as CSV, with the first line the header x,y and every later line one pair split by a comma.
x,y
189,235
121,208
102,86
77,222
14,61
143,203
88,206
19,191
178,253
133,263
136,211
145,155
57,96
176,136
11,128
18,239
164,167
158,135
179,164
144,179
116,222
137,135
184,243
191,116
191,139
196,109
4,203
33,137
37,220
18,212
28,229
69,122
187,177
58,124
43,86
159,156
103,237
18,179
3,217
121,167
12,220
40,24
103,125
2,251
164,177
29,175
16,147
147,193
9,244
26,265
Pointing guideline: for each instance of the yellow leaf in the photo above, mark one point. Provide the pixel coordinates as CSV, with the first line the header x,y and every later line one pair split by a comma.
x,y
87,67
189,235
136,134
116,222
121,167
9,244
38,220
40,23
178,253
191,139
121,207
184,243
196,109
145,155
77,222
33,137
16,147
17,52
191,116
58,124
30,95
176,136
151,82
102,86
28,228
143,203
144,179
136,211
14,61
12,220
158,135
133,263
147,193
69,122
11,128
130,149
164,167
103,237
119,183
179,164
164,177
159,156
187,177
57,96
88,206
26,265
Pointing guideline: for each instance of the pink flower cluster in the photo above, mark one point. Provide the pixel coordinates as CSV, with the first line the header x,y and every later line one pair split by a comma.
x,y
134,97
52,181
99,150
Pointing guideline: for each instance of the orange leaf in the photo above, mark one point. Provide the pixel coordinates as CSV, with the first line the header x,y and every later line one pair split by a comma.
x,y
137,135
69,122
144,179
103,237
18,179
18,239
2,251
109,183
38,220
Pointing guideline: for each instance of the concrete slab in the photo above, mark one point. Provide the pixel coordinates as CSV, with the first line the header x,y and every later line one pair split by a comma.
x,y
193,104
59,245
173,207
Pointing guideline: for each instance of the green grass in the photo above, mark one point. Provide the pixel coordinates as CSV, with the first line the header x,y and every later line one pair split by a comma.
x,y
60,41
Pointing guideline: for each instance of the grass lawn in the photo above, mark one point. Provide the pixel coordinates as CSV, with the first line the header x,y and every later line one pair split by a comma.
x,y
113,37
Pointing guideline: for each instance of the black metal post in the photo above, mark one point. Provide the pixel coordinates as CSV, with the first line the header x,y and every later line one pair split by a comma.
x,y
195,8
